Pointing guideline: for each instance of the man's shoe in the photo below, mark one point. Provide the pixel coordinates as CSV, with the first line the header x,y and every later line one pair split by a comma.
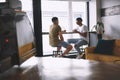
x,y
80,56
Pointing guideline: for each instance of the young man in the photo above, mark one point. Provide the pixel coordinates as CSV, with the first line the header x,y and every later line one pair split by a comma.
x,y
99,29
56,37
82,30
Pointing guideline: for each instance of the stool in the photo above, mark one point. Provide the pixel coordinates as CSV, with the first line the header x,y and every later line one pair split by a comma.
x,y
56,52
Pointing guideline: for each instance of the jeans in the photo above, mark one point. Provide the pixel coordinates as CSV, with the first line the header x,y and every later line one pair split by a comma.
x,y
78,43
63,44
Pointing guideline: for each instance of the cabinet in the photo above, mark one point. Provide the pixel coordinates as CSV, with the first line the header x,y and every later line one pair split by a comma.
x,y
25,38
16,39
5,64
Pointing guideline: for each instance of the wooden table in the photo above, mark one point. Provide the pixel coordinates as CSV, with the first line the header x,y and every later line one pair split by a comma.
x,y
48,68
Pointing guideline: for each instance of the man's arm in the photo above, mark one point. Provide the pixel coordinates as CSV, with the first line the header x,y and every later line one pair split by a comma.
x,y
61,36
82,34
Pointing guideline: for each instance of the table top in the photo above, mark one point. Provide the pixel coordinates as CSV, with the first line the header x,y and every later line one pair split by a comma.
x,y
69,32
48,68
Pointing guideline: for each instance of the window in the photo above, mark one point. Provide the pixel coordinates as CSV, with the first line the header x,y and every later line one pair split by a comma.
x,y
79,9
28,9
51,9
67,12
1,1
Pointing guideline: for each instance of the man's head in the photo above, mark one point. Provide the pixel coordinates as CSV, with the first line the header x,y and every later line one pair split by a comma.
x,y
55,20
79,21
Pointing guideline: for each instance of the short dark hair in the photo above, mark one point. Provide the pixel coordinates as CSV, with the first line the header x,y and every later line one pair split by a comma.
x,y
79,19
54,19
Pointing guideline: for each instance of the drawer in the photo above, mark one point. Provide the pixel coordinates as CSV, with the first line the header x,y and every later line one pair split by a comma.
x,y
5,64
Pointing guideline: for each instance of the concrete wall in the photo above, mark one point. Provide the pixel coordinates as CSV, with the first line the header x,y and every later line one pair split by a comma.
x,y
92,13
111,23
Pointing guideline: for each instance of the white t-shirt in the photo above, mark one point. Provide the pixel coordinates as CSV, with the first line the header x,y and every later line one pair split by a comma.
x,y
99,29
83,29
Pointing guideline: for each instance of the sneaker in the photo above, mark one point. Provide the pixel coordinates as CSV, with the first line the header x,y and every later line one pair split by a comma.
x,y
63,55
80,56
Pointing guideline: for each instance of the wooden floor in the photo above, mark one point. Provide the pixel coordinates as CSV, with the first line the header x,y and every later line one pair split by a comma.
x,y
49,68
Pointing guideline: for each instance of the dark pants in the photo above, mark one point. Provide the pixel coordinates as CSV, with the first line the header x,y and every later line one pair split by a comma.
x,y
99,36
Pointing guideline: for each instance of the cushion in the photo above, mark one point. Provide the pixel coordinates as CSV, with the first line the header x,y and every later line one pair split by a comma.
x,y
104,47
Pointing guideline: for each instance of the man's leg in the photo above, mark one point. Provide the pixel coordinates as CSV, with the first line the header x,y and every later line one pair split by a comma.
x,y
58,48
67,50
67,46
73,40
80,43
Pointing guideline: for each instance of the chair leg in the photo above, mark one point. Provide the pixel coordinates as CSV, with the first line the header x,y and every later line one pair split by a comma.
x,y
55,53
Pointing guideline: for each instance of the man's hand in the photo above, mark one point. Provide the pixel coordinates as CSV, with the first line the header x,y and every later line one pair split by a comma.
x,y
64,31
75,31
82,34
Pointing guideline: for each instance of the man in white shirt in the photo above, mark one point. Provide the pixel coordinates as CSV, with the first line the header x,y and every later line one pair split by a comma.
x,y
82,30
99,29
